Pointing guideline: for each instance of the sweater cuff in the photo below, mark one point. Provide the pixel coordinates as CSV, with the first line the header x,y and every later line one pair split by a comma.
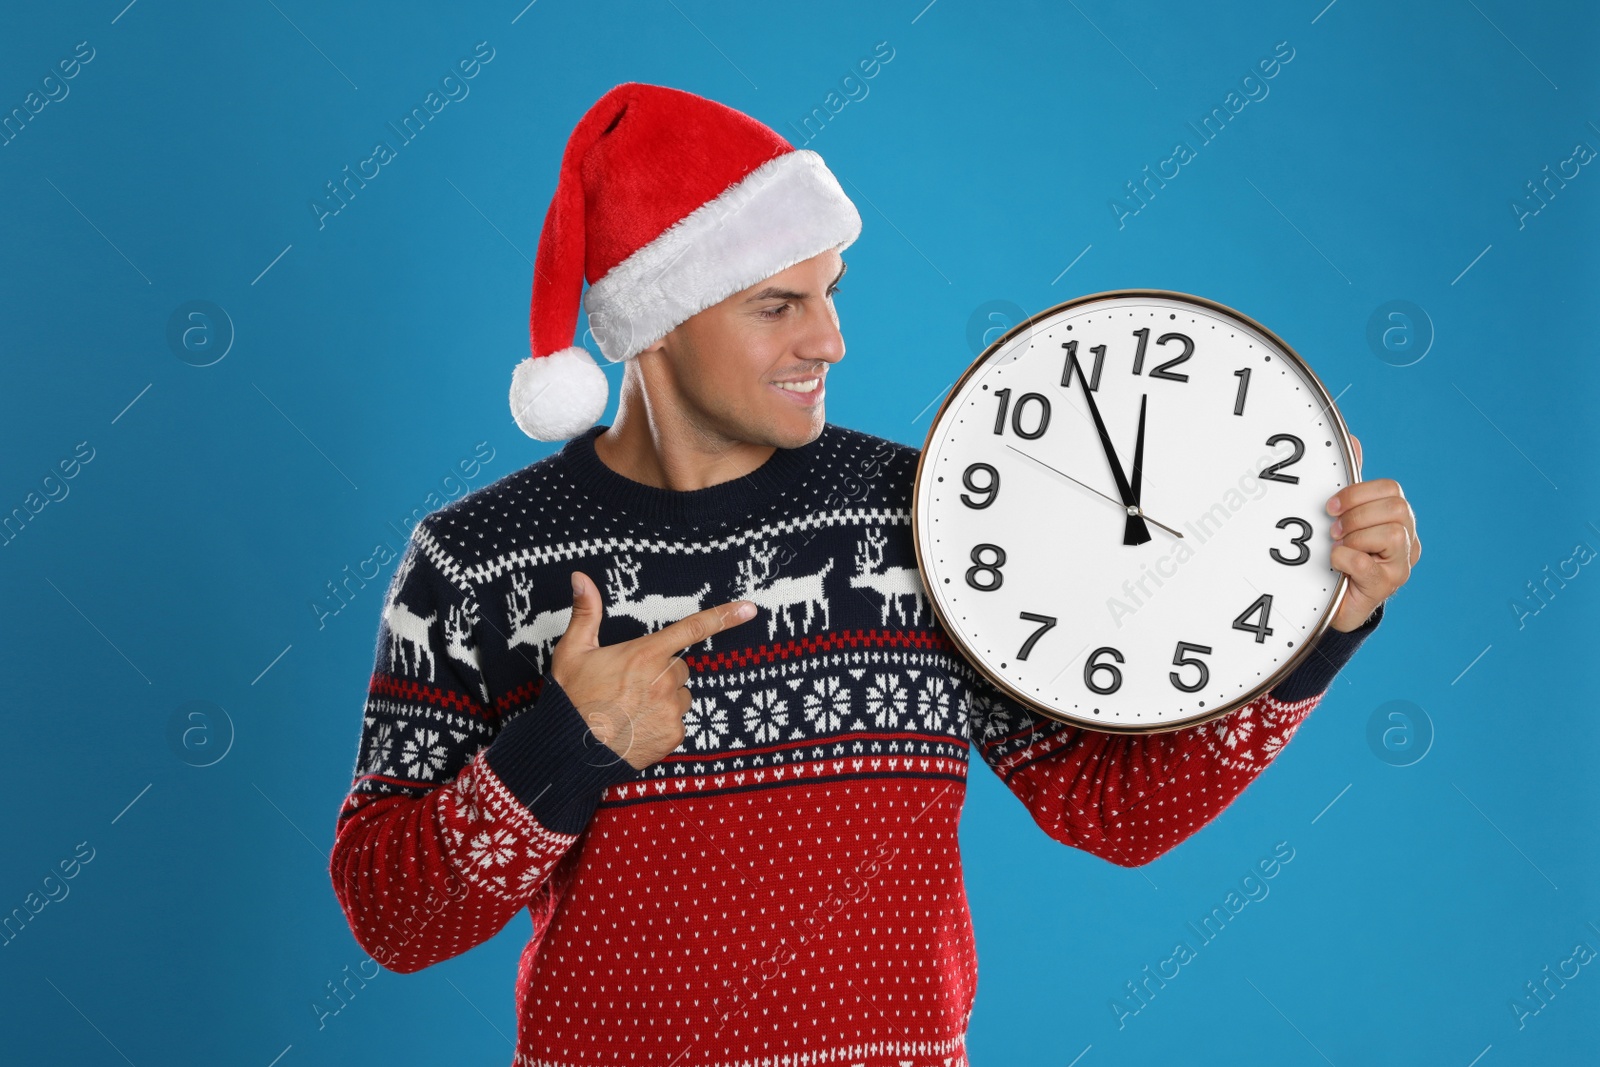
x,y
553,764
1328,655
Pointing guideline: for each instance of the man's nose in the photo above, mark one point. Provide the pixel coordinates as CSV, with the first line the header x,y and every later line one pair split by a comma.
x,y
823,339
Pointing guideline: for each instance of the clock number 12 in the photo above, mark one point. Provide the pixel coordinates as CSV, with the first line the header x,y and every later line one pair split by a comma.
x,y
1162,372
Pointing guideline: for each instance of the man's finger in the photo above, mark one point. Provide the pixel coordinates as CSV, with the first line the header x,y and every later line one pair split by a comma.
x,y
1377,512
583,626
1361,493
1389,541
692,629
1367,574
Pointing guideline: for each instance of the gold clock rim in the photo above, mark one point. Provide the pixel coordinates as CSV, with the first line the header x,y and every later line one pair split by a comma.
x,y
1287,667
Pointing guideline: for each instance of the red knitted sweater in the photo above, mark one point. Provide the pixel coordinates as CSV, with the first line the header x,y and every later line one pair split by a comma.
x,y
784,888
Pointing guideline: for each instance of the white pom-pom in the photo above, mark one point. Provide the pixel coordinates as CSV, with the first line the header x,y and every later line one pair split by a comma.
x,y
557,397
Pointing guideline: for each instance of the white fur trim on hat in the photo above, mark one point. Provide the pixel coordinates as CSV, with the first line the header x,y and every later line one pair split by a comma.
x,y
785,211
558,396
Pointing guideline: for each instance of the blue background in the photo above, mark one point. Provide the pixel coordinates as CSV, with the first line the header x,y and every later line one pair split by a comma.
x,y
371,355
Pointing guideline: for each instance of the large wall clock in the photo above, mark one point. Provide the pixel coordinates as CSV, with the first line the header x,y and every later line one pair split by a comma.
x,y
1119,511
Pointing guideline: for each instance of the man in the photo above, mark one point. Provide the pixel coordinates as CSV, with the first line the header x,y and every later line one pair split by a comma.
x,y
736,834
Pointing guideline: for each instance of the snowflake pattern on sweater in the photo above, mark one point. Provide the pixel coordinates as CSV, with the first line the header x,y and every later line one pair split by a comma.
x,y
786,886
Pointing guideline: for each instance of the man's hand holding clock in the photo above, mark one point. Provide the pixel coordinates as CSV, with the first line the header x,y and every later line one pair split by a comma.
x,y
1375,543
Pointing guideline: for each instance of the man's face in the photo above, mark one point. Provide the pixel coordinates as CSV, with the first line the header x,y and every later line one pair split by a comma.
x,y
721,367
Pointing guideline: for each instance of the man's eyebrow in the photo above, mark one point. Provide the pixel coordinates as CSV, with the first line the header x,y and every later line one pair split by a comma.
x,y
773,292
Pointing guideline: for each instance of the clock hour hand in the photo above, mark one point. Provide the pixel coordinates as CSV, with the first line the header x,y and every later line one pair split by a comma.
x,y
1135,531
1130,536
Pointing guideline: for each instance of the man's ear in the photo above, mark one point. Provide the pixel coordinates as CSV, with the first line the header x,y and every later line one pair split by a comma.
x,y
660,343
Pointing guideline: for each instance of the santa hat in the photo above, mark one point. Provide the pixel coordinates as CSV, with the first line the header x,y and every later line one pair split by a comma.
x,y
667,203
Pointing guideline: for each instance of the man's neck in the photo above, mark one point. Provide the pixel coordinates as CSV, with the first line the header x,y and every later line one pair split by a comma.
x,y
674,453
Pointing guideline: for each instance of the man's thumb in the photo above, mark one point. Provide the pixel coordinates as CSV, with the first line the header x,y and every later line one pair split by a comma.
x,y
587,609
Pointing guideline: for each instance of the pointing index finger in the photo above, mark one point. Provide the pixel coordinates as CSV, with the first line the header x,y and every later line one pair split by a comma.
x,y
693,629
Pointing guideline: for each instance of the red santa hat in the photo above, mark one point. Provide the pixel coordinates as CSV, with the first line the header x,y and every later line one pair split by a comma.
x,y
667,203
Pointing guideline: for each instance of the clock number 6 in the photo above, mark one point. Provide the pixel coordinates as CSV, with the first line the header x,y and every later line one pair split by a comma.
x,y
980,567
1298,542
1181,660
1090,667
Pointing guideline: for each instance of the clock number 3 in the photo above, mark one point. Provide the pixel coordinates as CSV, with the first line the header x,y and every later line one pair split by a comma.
x,y
1298,542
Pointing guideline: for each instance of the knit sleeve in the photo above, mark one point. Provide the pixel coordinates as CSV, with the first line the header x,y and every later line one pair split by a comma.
x,y
455,820
1130,798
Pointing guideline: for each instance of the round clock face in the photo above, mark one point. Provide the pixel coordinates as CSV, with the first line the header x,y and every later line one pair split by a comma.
x,y
1119,511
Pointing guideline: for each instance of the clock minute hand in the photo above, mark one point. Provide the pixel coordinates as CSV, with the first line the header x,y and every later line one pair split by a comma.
x,y
1135,532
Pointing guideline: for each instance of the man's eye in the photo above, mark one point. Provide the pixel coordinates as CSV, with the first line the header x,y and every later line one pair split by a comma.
x,y
773,310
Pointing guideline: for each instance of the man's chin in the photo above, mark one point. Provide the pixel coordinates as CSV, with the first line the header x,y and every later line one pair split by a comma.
x,y
781,429
793,433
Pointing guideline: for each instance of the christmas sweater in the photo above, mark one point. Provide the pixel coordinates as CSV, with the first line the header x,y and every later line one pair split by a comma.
x,y
785,888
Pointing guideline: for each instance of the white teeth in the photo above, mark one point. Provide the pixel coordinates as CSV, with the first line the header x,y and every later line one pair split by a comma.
x,y
799,387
